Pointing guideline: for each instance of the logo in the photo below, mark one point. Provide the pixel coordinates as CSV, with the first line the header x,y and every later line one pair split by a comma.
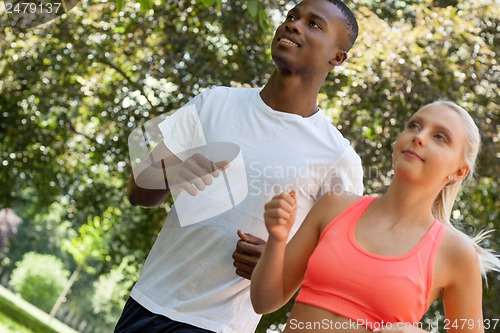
x,y
26,14
171,152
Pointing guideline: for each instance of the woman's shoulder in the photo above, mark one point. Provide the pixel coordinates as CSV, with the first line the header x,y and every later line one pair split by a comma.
x,y
458,253
332,204
456,245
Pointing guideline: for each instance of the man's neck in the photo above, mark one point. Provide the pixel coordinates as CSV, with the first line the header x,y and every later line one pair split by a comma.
x,y
291,94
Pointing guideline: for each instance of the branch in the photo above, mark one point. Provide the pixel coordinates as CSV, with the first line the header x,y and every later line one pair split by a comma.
x,y
129,80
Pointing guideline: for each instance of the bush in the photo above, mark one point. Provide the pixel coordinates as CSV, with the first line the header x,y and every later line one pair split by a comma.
x,y
39,279
111,292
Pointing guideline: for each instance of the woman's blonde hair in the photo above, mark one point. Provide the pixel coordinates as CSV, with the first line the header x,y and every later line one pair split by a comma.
x,y
443,205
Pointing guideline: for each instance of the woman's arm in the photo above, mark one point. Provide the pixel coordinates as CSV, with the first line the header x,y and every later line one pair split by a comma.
x,y
281,267
462,297
268,279
462,294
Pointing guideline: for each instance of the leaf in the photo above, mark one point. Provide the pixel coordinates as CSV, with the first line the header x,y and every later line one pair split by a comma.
x,y
146,4
264,23
208,3
119,30
253,8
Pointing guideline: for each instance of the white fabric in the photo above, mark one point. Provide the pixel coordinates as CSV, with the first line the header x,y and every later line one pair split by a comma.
x,y
189,274
183,135
183,125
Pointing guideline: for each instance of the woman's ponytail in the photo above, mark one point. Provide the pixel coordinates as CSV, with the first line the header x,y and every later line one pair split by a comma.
x,y
443,205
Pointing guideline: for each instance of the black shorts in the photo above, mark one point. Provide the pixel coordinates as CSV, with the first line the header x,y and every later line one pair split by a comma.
x,y
137,319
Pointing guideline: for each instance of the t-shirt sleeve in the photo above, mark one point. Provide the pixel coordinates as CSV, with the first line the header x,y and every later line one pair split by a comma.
x,y
346,175
182,130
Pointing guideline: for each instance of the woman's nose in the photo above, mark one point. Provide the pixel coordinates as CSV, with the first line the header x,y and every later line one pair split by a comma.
x,y
419,139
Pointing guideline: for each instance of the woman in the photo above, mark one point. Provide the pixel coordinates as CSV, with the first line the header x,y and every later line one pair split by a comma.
x,y
376,263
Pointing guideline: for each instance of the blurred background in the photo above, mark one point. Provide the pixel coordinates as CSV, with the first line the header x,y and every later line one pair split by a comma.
x,y
72,90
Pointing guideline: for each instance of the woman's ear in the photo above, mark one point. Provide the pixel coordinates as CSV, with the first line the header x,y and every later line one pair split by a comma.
x,y
339,58
462,172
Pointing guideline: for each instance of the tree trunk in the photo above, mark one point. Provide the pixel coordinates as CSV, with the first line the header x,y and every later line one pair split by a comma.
x,y
65,291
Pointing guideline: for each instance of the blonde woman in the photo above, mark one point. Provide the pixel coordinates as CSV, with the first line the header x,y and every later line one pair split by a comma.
x,y
375,264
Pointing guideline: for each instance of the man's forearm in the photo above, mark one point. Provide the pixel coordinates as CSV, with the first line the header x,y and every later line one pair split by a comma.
x,y
148,188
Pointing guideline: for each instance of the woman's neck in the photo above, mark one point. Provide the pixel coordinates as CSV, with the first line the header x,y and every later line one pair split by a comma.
x,y
406,202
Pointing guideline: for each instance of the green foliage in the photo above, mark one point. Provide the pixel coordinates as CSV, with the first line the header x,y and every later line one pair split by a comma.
x,y
9,325
392,10
111,292
27,315
72,90
256,9
39,279
92,241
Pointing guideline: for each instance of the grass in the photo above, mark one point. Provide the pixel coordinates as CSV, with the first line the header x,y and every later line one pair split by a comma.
x,y
7,325
14,310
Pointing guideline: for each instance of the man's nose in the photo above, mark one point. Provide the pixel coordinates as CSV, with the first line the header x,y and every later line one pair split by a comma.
x,y
294,26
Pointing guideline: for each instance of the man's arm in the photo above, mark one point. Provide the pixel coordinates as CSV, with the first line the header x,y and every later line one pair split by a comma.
x,y
144,197
247,253
148,186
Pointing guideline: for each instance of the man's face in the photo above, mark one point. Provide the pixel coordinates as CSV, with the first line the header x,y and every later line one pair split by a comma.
x,y
312,35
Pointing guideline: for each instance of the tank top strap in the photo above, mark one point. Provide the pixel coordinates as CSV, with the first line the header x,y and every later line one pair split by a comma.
x,y
352,213
438,230
363,202
435,235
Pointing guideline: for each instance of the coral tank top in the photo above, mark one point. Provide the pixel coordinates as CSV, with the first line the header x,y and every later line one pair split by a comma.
x,y
370,289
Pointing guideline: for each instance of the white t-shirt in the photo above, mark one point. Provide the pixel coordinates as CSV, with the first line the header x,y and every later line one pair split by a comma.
x,y
189,274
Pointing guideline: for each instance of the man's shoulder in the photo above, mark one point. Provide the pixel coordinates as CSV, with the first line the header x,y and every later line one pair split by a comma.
x,y
223,96
231,90
222,99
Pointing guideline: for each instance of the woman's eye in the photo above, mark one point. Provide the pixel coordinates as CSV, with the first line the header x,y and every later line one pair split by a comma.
x,y
441,137
314,25
290,17
412,125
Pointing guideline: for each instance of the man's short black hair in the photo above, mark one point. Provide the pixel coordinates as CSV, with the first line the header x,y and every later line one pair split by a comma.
x,y
352,23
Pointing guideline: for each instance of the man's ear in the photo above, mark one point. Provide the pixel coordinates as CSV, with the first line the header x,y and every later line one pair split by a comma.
x,y
339,58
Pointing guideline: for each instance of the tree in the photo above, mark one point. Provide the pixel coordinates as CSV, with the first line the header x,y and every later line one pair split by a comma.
x,y
72,90
38,278
89,245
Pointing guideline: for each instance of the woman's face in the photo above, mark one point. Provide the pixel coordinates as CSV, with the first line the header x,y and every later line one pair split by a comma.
x,y
431,147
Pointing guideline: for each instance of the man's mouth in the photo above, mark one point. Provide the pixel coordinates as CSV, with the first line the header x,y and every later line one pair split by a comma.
x,y
288,41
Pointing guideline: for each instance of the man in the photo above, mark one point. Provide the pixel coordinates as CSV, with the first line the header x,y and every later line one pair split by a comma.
x,y
188,283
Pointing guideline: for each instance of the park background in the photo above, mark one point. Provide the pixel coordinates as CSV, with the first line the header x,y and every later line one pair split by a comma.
x,y
73,89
